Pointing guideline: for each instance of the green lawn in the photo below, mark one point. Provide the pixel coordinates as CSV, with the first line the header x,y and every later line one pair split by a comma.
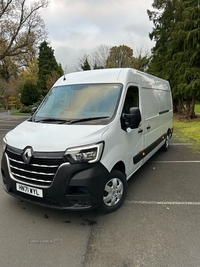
x,y
197,108
189,129
20,114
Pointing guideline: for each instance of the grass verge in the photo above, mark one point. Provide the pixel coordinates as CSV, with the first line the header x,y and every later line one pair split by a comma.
x,y
20,113
188,130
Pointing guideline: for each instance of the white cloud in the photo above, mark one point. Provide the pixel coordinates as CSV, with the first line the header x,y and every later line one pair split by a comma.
x,y
76,27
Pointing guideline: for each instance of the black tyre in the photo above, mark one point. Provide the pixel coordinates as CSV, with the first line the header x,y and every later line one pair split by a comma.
x,y
165,147
114,193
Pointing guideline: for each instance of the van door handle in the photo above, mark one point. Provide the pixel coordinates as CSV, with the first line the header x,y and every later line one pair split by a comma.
x,y
140,131
148,127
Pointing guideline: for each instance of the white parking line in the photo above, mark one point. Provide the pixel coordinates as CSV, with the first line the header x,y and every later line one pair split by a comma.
x,y
193,203
181,144
175,161
163,202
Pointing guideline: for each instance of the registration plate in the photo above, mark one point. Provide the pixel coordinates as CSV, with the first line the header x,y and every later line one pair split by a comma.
x,y
29,190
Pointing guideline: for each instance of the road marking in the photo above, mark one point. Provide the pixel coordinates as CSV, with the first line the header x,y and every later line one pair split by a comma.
x,y
175,161
163,202
181,144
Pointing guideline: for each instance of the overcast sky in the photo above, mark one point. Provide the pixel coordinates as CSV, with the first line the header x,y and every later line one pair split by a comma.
x,y
78,27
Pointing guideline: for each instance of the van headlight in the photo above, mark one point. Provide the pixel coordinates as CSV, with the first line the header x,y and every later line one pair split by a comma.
x,y
91,153
4,144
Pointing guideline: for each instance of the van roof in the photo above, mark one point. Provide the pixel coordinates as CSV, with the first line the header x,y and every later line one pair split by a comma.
x,y
114,75
118,75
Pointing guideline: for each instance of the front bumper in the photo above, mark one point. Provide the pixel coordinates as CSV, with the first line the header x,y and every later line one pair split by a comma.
x,y
74,187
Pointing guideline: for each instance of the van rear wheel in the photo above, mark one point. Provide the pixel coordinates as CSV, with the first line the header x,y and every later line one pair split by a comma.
x,y
165,147
114,192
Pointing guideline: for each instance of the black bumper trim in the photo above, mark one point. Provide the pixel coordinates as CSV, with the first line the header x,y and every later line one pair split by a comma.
x,y
75,186
142,154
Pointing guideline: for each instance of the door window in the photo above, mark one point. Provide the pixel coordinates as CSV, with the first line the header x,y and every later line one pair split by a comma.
x,y
131,100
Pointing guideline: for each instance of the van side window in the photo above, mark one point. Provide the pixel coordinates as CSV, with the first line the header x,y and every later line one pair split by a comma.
x,y
132,99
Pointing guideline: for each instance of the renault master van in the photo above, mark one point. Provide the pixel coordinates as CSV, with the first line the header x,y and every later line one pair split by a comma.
x,y
91,133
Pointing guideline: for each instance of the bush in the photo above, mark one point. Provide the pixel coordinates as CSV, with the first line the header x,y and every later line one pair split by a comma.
x,y
27,109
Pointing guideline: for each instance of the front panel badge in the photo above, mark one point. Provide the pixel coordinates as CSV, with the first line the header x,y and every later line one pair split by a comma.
x,y
27,155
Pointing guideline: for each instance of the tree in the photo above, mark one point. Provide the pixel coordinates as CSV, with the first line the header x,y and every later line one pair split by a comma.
x,y
99,57
21,27
28,81
96,60
29,94
185,56
120,57
84,63
30,74
8,69
176,55
8,91
49,69
163,20
141,61
114,57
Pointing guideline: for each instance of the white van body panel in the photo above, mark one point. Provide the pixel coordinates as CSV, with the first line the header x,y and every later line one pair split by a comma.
x,y
51,137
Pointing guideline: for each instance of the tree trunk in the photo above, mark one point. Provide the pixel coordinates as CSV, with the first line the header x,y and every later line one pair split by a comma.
x,y
178,106
190,104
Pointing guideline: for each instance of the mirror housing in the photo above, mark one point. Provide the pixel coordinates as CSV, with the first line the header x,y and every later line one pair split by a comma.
x,y
132,119
33,110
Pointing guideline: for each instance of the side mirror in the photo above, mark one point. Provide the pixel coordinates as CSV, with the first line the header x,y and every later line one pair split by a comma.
x,y
33,110
132,119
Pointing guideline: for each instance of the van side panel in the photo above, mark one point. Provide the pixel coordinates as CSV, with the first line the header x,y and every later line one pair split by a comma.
x,y
157,113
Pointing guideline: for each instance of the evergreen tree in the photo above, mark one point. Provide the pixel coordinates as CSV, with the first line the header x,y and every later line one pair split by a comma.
x,y
86,65
176,55
29,94
184,53
163,23
48,66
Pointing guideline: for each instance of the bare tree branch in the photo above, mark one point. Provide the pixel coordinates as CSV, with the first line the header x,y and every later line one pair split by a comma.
x,y
21,29
4,7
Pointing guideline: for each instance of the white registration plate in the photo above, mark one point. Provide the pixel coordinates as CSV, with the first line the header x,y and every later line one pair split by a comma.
x,y
29,190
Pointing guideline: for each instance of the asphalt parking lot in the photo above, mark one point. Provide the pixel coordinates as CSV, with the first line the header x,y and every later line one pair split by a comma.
x,y
157,226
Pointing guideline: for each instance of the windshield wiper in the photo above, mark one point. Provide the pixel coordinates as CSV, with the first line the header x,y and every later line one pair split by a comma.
x,y
88,119
60,121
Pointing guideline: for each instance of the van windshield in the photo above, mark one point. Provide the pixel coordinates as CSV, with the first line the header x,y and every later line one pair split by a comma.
x,y
86,104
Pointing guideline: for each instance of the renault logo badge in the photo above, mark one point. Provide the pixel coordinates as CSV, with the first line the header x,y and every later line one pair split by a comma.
x,y
27,155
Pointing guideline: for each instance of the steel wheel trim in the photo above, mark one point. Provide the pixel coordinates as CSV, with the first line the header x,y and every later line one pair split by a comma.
x,y
113,192
167,141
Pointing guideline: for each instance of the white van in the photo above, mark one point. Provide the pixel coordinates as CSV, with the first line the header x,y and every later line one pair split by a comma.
x,y
93,130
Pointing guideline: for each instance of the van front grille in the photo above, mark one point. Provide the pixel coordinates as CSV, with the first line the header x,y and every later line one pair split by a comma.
x,y
41,169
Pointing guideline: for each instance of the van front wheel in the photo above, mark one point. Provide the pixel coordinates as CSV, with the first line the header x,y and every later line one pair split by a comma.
x,y
114,193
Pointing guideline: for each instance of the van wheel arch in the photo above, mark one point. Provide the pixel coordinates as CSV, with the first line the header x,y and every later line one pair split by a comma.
x,y
165,146
114,192
120,166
